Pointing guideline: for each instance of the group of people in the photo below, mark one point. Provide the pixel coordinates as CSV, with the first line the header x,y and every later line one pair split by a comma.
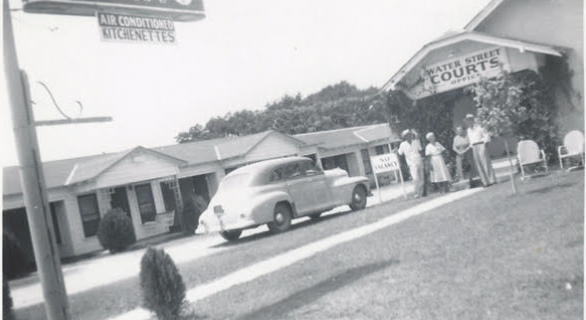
x,y
469,144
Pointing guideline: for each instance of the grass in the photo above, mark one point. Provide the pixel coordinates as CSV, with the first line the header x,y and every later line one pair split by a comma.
x,y
492,255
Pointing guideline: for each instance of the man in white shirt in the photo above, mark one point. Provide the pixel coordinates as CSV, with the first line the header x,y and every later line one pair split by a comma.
x,y
411,149
478,138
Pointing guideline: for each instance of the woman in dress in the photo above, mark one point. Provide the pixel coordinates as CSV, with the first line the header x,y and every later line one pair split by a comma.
x,y
440,175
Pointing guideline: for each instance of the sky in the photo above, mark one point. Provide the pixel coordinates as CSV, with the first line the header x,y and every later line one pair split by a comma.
x,y
244,54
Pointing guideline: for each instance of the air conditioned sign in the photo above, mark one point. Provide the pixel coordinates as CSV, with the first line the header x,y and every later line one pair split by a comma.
x,y
140,29
459,72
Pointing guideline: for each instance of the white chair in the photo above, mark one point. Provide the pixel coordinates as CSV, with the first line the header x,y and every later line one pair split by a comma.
x,y
573,147
528,153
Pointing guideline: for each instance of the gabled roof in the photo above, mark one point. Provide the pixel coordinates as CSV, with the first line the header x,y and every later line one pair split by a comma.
x,y
466,36
483,14
93,168
338,138
66,172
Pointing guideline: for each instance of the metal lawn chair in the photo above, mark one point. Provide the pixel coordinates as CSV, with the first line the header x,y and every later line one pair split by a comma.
x,y
573,147
528,153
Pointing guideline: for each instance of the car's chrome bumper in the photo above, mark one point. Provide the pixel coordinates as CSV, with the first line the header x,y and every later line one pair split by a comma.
x,y
217,224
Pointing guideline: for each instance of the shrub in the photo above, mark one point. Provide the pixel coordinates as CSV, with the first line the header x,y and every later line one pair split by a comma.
x,y
116,231
163,290
14,259
7,313
193,208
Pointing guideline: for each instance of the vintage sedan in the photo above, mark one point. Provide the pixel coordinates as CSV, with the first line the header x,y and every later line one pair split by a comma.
x,y
274,192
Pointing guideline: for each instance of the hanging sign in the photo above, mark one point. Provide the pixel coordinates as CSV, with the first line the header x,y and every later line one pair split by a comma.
x,y
459,72
178,10
140,29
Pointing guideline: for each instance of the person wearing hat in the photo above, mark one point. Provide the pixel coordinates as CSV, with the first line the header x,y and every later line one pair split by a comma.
x,y
478,138
411,149
440,174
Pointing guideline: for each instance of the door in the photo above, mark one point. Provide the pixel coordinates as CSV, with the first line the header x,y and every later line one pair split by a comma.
x,y
307,187
119,199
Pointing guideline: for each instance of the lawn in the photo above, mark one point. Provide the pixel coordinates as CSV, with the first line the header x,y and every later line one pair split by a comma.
x,y
492,255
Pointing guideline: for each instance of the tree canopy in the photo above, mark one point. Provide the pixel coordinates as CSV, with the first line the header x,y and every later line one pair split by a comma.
x,y
336,106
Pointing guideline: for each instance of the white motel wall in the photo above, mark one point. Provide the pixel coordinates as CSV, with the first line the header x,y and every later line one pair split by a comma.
x,y
533,35
147,183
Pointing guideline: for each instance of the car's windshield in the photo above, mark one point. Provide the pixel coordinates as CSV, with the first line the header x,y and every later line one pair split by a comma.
x,y
235,181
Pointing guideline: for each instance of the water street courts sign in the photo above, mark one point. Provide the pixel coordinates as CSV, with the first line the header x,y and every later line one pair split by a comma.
x,y
459,72
132,28
178,10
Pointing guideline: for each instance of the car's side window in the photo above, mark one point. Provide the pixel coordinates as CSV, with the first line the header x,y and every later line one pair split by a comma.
x,y
293,171
276,175
311,169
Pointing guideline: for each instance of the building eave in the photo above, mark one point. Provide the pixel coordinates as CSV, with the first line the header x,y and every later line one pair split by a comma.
x,y
467,36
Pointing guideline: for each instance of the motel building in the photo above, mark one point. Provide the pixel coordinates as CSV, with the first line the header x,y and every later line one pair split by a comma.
x,y
150,184
509,35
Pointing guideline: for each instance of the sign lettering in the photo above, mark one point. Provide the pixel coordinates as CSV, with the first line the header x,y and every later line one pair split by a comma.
x,y
125,28
385,163
459,72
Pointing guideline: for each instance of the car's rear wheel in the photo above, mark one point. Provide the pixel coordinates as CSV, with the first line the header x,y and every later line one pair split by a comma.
x,y
315,216
358,198
281,218
231,235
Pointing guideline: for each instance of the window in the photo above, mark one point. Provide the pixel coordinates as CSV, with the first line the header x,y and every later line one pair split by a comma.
x,y
294,170
310,168
54,217
90,213
168,197
146,203
276,175
383,149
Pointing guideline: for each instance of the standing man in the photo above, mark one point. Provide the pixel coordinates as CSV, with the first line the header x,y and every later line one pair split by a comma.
x,y
460,147
478,138
411,149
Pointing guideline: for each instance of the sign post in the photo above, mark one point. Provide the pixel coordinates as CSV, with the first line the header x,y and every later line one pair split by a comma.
x,y
157,29
386,163
32,180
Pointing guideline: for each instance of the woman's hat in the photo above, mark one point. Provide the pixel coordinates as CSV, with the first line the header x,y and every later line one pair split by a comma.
x,y
469,117
429,135
405,133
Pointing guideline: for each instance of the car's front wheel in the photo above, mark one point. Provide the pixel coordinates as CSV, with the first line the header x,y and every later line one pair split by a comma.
x,y
231,235
281,218
358,198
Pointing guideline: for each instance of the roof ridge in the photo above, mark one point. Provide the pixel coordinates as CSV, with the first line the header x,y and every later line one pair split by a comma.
x,y
339,129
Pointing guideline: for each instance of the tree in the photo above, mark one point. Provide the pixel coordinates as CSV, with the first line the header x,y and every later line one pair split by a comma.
x,y
336,106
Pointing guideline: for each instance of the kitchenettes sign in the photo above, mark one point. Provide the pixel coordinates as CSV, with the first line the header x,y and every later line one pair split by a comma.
x,y
459,72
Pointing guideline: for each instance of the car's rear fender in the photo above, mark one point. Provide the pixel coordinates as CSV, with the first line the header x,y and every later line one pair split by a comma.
x,y
264,206
345,186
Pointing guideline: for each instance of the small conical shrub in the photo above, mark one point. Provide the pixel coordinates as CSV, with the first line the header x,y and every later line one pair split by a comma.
x,y
7,313
163,290
116,231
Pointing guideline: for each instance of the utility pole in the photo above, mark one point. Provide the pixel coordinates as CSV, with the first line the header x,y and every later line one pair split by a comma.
x,y
32,180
